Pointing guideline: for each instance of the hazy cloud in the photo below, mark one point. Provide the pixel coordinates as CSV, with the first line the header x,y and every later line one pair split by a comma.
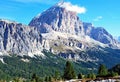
x,y
74,8
98,18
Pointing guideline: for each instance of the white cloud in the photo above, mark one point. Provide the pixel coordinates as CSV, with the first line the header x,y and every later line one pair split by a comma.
x,y
67,5
98,18
74,8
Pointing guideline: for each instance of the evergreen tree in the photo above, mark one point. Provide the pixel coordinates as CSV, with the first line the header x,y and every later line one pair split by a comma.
x,y
113,74
35,78
48,79
80,76
93,76
102,70
57,75
69,72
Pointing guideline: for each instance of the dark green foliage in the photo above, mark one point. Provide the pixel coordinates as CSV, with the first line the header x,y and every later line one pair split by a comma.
x,y
47,66
116,69
107,56
69,72
102,70
35,78
91,76
113,74
80,76
48,79
4,76
17,79
15,67
57,75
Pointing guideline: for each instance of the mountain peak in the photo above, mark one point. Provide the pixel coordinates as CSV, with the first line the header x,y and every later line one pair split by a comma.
x,y
60,3
63,18
70,7
59,17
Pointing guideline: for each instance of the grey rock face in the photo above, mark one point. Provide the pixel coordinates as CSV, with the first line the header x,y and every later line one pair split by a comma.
x,y
61,20
16,38
100,34
58,19
61,31
88,27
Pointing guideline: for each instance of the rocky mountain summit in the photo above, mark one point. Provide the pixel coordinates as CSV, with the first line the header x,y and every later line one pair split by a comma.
x,y
57,30
59,19
52,38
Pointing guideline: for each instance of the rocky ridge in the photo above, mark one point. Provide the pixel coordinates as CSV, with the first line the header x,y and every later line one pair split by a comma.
x,y
16,38
57,30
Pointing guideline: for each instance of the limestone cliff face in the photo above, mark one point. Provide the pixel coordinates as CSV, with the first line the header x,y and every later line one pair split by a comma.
x,y
100,34
57,30
58,19
16,38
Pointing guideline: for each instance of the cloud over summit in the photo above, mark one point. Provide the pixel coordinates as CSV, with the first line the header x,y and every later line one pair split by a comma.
x,y
74,8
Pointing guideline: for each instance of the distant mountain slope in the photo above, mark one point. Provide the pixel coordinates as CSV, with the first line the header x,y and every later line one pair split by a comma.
x,y
100,34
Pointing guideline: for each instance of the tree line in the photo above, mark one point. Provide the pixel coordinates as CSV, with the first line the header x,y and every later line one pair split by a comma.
x,y
68,73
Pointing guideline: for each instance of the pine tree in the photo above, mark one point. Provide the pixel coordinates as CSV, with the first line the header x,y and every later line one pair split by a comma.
x,y
69,72
80,76
57,75
113,74
102,71
35,78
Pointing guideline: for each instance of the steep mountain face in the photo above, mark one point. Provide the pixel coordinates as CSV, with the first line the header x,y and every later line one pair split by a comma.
x,y
88,27
103,36
58,42
100,34
58,19
52,38
16,38
62,33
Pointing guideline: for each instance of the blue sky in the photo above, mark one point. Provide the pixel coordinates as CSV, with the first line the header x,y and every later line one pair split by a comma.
x,y
102,13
